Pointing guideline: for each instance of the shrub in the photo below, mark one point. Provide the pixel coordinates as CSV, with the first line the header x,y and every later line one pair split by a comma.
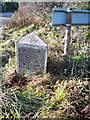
x,y
30,13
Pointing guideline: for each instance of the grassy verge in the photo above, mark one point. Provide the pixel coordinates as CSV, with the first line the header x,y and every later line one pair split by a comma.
x,y
61,93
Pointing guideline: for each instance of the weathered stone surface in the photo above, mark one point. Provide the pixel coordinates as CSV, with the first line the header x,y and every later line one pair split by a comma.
x,y
31,54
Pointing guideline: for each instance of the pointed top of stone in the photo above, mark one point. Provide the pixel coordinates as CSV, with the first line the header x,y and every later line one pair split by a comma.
x,y
32,39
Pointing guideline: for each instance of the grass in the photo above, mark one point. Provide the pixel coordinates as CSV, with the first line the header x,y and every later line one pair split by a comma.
x,y
61,93
10,105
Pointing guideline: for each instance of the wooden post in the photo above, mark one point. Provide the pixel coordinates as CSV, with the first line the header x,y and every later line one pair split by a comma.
x,y
68,30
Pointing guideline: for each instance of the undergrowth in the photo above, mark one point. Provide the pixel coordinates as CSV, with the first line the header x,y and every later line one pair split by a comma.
x,y
61,93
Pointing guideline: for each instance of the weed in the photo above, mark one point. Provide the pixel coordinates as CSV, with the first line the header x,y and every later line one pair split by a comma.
x,y
59,94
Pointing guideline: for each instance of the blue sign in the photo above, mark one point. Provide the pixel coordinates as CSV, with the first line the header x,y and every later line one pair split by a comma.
x,y
78,17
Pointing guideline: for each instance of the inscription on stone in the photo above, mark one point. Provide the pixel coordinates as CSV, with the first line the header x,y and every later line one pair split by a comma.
x,y
31,54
